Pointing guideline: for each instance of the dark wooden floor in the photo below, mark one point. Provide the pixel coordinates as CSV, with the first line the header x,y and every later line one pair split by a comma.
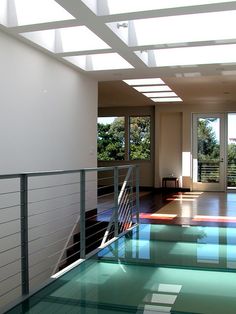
x,y
190,208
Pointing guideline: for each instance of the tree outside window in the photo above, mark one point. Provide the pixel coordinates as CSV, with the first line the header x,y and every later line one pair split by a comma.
x,y
111,138
139,138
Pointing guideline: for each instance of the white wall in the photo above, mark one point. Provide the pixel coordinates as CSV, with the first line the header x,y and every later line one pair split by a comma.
x,y
181,139
48,121
47,112
169,142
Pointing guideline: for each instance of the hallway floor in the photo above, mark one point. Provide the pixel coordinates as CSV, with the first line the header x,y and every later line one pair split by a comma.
x,y
191,208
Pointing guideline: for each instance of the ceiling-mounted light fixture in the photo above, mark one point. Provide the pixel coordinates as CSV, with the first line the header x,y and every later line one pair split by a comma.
x,y
124,25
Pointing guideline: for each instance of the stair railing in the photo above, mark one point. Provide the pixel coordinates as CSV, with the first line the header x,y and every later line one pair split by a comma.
x,y
49,220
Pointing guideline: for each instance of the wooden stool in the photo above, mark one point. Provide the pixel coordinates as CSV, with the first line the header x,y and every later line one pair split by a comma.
x,y
170,179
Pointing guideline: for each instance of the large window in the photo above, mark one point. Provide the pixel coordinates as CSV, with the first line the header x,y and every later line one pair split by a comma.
x,y
139,138
124,138
111,138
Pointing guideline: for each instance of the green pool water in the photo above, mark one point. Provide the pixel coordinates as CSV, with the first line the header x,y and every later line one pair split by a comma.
x,y
153,269
188,247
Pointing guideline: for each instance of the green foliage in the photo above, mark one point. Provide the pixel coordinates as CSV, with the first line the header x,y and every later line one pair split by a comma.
x,y
232,154
231,169
208,146
140,138
111,139
209,155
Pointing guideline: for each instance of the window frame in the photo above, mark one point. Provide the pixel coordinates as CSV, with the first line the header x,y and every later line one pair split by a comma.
x,y
127,117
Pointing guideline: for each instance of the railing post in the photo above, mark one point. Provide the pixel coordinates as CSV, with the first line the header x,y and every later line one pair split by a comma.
x,y
116,195
137,193
24,234
131,198
82,214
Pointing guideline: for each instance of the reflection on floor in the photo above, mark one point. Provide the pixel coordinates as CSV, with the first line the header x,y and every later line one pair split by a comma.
x,y
168,266
154,269
193,208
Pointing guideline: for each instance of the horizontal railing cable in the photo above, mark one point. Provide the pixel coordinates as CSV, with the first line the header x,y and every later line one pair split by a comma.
x,y
52,198
63,217
53,186
11,192
48,222
68,247
10,290
11,276
9,263
11,206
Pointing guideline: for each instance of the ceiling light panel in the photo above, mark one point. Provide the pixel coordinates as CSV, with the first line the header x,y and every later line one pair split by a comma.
x,y
147,81
194,55
182,28
160,94
166,99
160,88
99,62
109,7
26,12
69,39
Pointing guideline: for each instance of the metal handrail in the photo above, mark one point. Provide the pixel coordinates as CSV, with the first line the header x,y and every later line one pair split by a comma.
x,y
47,201
55,172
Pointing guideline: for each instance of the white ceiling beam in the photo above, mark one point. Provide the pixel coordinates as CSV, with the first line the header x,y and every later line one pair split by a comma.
x,y
44,26
80,11
216,7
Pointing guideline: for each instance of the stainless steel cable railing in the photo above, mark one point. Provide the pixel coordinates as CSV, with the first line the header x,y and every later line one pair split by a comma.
x,y
49,220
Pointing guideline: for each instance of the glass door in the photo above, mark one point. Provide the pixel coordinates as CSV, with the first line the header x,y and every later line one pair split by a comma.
x,y
231,152
209,152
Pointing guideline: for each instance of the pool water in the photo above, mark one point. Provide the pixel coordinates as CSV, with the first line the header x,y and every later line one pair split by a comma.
x,y
153,269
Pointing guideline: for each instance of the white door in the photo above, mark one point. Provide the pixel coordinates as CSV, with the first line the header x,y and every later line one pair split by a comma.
x,y
209,142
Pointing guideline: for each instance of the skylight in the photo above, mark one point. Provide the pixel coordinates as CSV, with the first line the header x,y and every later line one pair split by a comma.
x,y
183,29
160,94
194,55
147,81
153,88
167,99
105,7
3,12
26,12
160,88
98,62
78,38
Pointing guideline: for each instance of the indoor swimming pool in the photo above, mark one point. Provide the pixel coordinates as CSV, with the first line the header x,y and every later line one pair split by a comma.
x,y
152,269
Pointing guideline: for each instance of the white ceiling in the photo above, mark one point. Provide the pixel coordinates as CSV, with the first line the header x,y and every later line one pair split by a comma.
x,y
209,83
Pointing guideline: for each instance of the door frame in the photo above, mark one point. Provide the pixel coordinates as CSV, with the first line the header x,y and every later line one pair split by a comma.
x,y
216,187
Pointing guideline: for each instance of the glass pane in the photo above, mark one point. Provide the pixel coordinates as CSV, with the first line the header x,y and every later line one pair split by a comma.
x,y
208,134
140,142
111,138
231,170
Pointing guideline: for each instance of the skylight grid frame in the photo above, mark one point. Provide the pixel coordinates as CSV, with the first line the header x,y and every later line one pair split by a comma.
x,y
99,62
29,12
68,39
114,7
193,56
178,29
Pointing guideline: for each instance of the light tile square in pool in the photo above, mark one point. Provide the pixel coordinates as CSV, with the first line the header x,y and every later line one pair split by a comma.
x,y
156,309
163,298
169,288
